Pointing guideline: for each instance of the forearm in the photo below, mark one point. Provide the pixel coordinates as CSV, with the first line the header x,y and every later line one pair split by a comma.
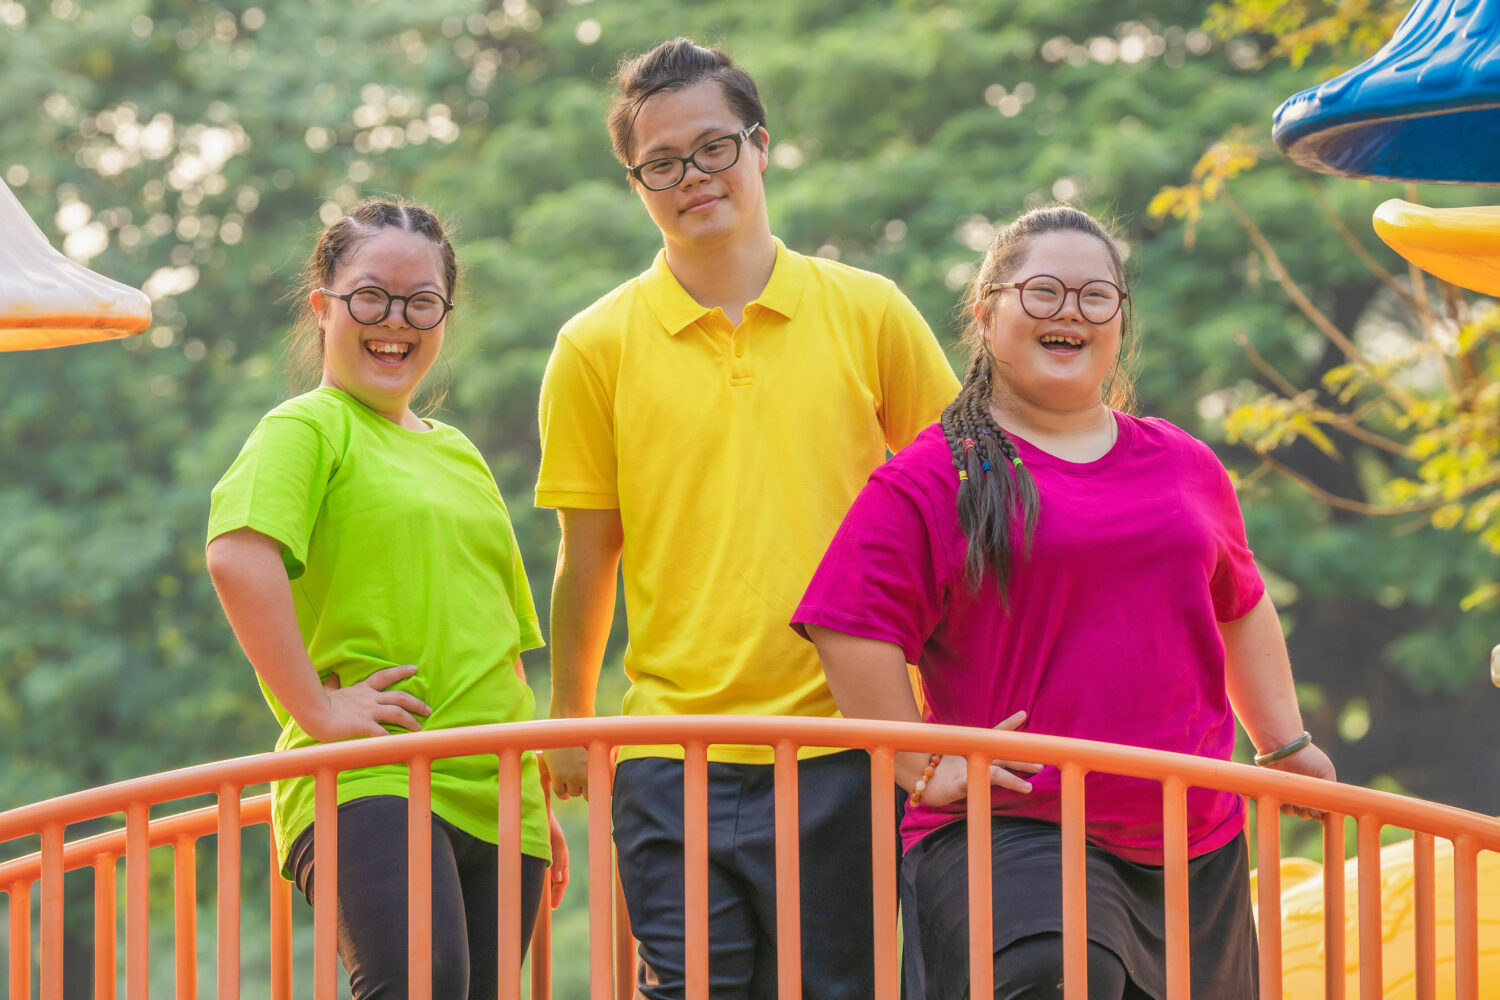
x,y
257,599
1258,676
869,680
583,608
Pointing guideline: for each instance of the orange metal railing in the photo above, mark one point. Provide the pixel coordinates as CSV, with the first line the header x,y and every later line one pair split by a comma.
x,y
610,961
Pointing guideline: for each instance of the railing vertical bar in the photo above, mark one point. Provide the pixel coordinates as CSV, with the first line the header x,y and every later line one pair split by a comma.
x,y
419,878
1268,893
601,873
228,923
185,916
981,887
624,942
105,911
1335,964
19,952
788,879
52,910
541,943
1370,973
510,873
325,883
1175,887
1074,886
137,901
1465,919
281,927
1424,887
883,851
695,859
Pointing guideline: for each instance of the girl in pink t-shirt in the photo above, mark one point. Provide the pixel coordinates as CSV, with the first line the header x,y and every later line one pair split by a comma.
x,y
1045,558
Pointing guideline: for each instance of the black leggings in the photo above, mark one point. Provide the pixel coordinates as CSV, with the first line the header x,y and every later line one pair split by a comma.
x,y
371,911
1031,969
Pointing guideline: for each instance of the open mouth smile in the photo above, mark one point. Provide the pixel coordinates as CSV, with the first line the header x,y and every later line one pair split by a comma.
x,y
1058,343
390,353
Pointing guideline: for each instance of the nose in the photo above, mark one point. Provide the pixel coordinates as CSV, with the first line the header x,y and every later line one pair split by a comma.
x,y
687,173
390,314
1077,311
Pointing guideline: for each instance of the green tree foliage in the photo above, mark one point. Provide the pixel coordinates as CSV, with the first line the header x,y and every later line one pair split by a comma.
x,y
193,147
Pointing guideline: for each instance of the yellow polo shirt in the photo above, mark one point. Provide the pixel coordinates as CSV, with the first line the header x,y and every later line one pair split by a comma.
x,y
732,454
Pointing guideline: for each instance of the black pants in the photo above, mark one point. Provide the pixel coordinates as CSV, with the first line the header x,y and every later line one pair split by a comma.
x,y
833,811
371,910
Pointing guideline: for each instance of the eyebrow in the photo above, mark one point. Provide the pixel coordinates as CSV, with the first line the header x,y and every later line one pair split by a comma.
x,y
366,278
712,132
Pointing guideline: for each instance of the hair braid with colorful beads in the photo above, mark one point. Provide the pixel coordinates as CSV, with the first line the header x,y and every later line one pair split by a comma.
x,y
995,488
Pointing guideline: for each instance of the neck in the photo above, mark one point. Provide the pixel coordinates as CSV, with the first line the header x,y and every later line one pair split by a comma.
x,y
1030,419
729,275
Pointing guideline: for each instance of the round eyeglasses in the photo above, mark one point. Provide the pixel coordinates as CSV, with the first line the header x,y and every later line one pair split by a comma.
x,y
713,156
1042,296
371,304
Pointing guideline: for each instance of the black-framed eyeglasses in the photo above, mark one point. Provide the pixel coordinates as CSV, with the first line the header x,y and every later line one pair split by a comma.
x,y
371,304
715,155
1042,296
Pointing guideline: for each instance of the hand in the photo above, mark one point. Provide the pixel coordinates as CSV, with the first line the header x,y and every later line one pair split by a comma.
x,y
559,870
950,779
359,709
1314,763
569,767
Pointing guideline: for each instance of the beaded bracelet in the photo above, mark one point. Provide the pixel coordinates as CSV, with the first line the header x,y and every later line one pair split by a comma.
x,y
1262,759
921,785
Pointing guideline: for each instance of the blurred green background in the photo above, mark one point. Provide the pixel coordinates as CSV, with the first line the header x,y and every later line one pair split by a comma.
x,y
193,148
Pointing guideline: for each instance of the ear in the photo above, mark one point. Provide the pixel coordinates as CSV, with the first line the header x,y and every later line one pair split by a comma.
x,y
317,300
982,313
763,148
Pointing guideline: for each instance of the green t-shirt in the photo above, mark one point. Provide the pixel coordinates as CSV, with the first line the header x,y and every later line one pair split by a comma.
x,y
399,550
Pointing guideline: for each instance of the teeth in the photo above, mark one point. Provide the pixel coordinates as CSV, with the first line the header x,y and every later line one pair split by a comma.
x,y
389,348
1069,341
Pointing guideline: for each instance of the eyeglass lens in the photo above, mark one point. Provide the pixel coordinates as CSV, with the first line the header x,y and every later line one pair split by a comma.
x,y
424,310
711,157
1042,298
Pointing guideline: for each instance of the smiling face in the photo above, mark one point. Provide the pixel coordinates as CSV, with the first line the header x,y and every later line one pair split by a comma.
x,y
705,209
1060,363
382,364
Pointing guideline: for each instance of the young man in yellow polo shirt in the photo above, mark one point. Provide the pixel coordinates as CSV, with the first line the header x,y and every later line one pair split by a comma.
x,y
712,419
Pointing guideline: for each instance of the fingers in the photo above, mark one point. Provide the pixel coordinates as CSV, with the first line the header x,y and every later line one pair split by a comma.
x,y
331,682
1014,721
1019,765
1000,776
382,679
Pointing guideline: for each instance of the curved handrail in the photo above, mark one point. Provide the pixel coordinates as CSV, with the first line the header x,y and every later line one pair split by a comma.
x,y
1469,832
202,779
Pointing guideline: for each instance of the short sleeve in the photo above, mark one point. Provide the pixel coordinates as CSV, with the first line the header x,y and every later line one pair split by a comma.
x,y
916,380
1236,584
525,608
576,417
276,486
881,577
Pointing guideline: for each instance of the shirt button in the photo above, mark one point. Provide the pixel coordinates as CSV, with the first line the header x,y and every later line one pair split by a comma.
x,y
739,350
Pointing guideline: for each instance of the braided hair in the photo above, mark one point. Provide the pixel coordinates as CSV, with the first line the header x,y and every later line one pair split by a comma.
x,y
995,488
336,245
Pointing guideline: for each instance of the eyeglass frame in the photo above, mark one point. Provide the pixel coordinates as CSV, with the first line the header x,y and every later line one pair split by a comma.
x,y
1020,287
405,300
740,138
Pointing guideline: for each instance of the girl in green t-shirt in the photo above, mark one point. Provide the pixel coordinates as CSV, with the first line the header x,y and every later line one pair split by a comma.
x,y
366,562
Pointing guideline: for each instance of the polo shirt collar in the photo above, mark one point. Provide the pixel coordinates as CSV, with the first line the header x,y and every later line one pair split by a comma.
x,y
677,310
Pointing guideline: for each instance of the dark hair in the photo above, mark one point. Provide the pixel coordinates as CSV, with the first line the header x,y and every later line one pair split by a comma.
x,y
336,245
672,66
995,488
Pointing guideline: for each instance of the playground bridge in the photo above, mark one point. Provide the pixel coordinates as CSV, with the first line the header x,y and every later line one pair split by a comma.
x,y
610,956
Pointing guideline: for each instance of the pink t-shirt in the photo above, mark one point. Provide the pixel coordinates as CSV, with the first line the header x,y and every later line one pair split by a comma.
x,y
1112,631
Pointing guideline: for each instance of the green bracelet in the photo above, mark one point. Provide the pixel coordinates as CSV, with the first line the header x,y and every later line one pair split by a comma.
x,y
1262,759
